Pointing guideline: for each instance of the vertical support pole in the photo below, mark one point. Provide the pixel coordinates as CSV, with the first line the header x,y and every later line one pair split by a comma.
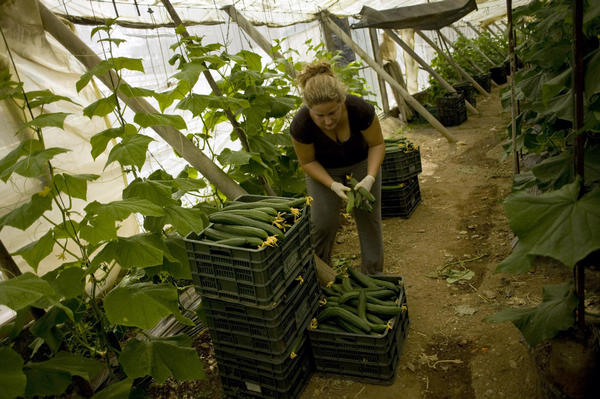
x,y
388,78
513,108
578,74
454,64
375,45
426,67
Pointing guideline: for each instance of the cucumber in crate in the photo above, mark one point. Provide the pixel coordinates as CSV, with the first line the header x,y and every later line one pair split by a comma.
x,y
251,249
361,326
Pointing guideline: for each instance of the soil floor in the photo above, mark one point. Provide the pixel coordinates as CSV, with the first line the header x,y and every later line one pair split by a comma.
x,y
450,351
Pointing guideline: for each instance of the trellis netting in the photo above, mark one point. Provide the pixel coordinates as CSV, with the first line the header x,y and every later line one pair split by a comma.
x,y
42,63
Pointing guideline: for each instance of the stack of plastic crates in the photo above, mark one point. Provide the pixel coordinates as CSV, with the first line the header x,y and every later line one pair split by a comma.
x,y
370,358
468,91
451,109
498,74
484,80
258,303
400,192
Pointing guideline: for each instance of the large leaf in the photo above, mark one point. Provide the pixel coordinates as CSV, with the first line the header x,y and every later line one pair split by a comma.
x,y
162,358
179,268
74,185
133,64
36,251
52,377
166,98
119,210
100,141
99,69
130,151
557,84
96,229
25,148
155,119
102,107
155,191
556,313
142,305
518,262
592,72
185,220
54,119
67,282
38,98
188,184
12,378
26,214
46,328
33,165
555,172
556,223
117,390
190,72
131,91
24,290
140,250
237,158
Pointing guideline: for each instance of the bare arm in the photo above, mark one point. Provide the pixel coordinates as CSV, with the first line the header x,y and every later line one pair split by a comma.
x,y
374,138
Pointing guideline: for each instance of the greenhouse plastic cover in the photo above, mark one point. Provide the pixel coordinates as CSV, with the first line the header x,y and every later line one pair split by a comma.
x,y
425,16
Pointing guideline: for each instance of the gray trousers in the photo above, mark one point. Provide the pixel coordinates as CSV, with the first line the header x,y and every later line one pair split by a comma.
x,y
325,218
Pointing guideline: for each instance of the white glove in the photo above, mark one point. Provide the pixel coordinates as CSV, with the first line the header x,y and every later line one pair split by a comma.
x,y
339,189
367,183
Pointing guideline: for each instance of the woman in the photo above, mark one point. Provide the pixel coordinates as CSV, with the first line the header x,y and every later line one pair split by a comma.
x,y
334,135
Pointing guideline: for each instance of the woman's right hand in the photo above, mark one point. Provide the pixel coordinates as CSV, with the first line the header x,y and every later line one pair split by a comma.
x,y
339,189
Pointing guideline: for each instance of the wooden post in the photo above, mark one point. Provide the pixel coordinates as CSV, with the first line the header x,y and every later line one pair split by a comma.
x,y
513,108
496,49
375,45
407,97
262,42
474,47
449,43
173,137
426,67
451,61
217,92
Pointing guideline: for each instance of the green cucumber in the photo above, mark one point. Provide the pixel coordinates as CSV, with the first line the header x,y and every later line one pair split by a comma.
x,y
347,284
349,327
230,218
362,305
216,235
339,313
366,194
252,214
241,242
361,278
242,231
384,309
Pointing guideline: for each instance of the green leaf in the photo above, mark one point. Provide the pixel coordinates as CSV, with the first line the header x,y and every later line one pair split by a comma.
x,y
36,251
166,98
190,72
142,305
96,229
592,71
74,185
26,214
185,220
187,184
591,162
131,91
555,313
555,85
25,148
148,120
12,378
54,119
518,262
99,70
119,210
117,390
46,328
52,377
34,165
100,141
195,103
102,107
556,223
117,42
133,64
67,282
180,268
38,98
162,358
140,250
155,191
237,158
24,290
555,172
252,60
130,151
98,29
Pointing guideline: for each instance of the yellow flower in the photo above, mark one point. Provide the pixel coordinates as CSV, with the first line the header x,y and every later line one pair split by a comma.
x,y
45,191
309,199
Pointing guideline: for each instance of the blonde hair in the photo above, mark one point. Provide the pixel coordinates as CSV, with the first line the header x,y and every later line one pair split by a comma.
x,y
319,84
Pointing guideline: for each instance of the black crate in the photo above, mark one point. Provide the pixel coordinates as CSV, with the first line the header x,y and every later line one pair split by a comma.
x,y
372,358
401,202
468,91
267,321
273,340
398,166
484,80
451,109
498,74
241,381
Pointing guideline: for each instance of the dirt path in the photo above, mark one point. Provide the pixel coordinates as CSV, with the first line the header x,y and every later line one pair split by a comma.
x,y
450,351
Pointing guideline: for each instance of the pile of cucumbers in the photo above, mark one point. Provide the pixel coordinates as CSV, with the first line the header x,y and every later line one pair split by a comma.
x,y
254,224
359,304
358,199
399,143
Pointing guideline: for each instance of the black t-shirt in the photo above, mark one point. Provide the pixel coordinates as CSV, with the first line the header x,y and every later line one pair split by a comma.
x,y
328,152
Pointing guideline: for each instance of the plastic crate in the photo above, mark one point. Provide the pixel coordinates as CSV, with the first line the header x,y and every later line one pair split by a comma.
x,y
401,202
468,91
264,321
451,109
498,74
372,358
274,340
239,381
398,166
248,275
484,80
